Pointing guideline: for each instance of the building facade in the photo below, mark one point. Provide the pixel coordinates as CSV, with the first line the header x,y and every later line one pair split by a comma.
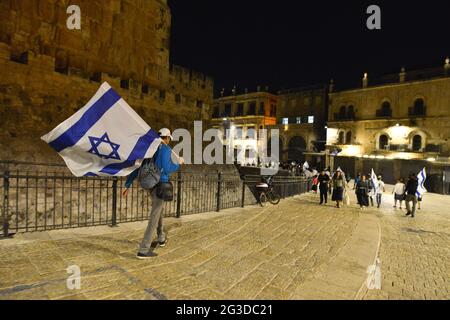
x,y
47,72
388,121
298,115
242,116
301,119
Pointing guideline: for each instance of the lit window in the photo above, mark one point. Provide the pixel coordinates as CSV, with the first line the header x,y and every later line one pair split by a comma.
x,y
311,119
239,132
285,121
299,120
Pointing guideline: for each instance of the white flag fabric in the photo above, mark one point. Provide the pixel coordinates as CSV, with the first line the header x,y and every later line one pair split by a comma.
x,y
342,172
306,165
375,182
104,138
421,178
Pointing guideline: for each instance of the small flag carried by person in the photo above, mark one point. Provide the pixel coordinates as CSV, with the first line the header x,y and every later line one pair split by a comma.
x,y
421,178
375,182
104,138
306,166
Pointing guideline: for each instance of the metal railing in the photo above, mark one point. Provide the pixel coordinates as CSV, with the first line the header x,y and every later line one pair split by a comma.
x,y
33,200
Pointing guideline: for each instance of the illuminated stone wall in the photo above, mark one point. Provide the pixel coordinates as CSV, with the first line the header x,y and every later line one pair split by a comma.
x,y
48,72
401,126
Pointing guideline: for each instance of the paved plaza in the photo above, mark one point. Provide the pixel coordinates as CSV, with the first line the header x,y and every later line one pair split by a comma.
x,y
297,250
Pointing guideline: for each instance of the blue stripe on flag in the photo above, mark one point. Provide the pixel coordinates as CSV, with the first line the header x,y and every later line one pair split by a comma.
x,y
138,153
422,184
89,119
90,175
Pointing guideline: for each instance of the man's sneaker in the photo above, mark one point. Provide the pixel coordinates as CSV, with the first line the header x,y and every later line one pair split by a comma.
x,y
408,214
148,255
163,244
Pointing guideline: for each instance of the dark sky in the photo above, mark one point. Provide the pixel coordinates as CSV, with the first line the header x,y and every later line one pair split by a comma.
x,y
289,43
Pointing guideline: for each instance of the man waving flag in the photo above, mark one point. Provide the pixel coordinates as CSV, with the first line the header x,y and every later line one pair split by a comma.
x,y
104,138
421,178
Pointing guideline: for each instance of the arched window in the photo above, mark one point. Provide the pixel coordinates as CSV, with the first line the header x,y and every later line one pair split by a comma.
x,y
386,109
419,107
351,112
341,137
348,138
417,143
384,142
342,112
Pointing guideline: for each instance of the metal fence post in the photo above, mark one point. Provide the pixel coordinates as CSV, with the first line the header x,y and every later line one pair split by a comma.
x,y
5,204
243,193
219,190
179,182
114,204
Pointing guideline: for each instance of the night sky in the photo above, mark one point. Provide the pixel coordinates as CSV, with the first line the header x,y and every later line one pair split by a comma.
x,y
290,43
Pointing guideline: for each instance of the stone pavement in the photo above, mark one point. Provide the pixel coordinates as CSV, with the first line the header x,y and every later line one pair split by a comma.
x,y
297,250
415,253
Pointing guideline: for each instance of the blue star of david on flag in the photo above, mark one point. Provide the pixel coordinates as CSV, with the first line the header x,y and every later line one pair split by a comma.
x,y
106,113
96,142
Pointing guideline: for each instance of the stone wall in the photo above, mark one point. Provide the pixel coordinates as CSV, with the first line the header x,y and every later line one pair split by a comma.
x,y
125,38
48,72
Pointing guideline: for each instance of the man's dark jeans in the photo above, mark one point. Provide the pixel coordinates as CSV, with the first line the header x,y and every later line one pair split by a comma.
x,y
323,195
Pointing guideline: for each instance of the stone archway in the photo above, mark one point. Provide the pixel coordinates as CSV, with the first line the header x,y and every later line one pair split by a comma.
x,y
417,140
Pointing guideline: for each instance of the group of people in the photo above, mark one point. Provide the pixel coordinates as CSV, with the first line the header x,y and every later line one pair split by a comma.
x,y
368,189
407,193
325,183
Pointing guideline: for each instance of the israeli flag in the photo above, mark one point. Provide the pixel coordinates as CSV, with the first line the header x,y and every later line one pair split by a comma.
x,y
104,138
306,166
421,178
376,183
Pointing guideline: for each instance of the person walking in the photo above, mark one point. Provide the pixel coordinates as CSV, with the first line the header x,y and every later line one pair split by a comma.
x,y
362,192
163,160
411,195
380,190
357,179
315,184
338,188
372,189
419,202
324,181
399,193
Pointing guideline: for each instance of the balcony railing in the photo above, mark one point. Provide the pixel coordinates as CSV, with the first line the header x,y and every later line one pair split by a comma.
x,y
345,117
384,113
417,112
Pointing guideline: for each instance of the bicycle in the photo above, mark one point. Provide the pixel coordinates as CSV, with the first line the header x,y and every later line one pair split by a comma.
x,y
267,192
